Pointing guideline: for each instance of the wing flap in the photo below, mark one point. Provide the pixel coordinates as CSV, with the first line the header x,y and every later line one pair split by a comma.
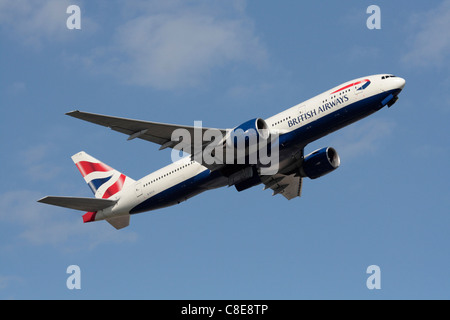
x,y
82,204
290,186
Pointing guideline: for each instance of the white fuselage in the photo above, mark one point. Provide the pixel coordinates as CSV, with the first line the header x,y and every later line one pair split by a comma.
x,y
297,126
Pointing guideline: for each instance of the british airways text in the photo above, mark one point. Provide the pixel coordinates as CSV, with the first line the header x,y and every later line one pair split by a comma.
x,y
314,112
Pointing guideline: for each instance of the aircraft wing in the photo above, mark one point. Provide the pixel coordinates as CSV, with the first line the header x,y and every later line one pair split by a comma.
x,y
156,132
290,186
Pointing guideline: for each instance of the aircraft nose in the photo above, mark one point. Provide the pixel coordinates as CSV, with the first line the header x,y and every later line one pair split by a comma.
x,y
400,82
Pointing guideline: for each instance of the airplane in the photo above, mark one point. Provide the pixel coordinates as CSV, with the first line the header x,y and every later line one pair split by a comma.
x,y
118,196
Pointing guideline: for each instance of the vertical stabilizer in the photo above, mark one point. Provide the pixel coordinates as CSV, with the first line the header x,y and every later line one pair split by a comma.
x,y
104,181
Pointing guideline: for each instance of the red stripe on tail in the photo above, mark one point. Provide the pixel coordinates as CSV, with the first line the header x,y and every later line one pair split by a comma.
x,y
116,187
86,167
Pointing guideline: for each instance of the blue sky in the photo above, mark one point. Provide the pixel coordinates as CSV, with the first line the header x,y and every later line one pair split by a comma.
x,y
224,62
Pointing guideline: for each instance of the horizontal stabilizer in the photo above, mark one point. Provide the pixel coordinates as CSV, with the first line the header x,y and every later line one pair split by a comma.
x,y
82,204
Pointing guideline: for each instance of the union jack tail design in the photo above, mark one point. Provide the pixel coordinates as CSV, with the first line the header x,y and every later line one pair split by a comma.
x,y
103,180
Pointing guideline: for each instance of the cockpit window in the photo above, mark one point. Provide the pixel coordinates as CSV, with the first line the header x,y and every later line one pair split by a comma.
x,y
387,76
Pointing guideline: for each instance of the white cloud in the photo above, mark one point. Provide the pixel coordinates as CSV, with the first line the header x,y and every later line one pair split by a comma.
x,y
362,138
39,224
16,88
37,22
177,46
34,21
358,52
430,43
37,163
160,44
7,281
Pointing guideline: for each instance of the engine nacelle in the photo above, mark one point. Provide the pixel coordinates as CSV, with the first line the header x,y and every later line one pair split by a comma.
x,y
249,133
320,163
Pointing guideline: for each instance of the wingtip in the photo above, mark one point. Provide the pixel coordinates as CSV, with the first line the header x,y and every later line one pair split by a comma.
x,y
42,200
71,113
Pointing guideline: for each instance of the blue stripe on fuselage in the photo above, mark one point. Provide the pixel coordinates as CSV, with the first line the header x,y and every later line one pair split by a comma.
x,y
289,142
178,193
336,120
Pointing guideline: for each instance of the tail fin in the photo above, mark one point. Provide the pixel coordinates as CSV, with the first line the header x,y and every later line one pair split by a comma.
x,y
103,180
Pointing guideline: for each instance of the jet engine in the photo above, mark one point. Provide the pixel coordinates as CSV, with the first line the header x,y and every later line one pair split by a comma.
x,y
249,133
320,163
